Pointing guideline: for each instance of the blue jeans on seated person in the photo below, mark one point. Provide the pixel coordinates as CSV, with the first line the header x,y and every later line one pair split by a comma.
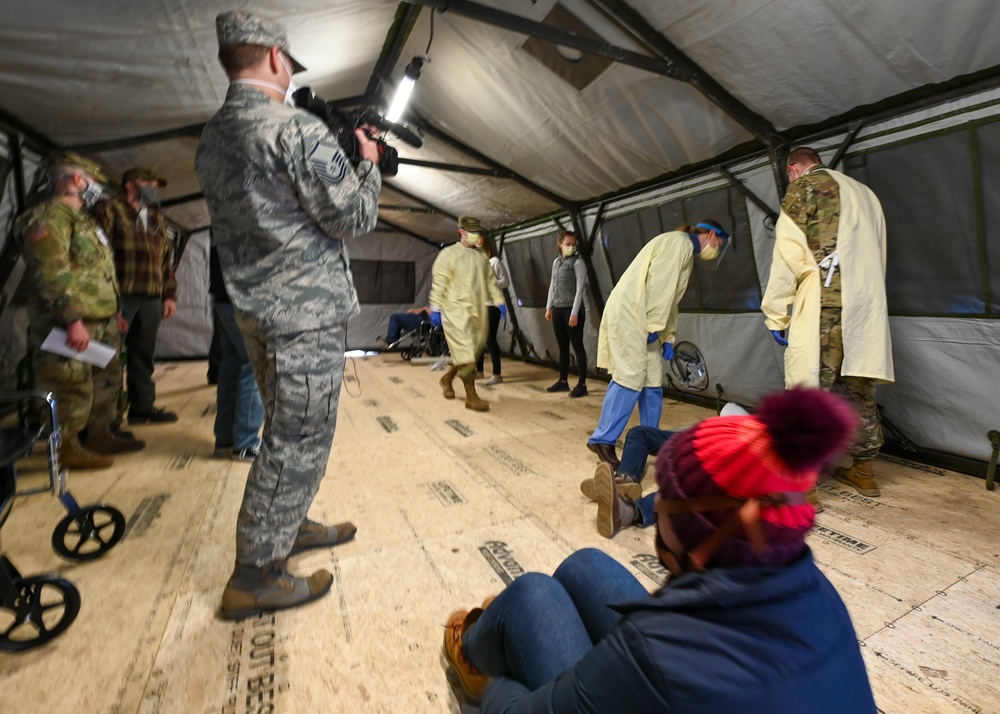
x,y
641,442
541,626
400,322
239,410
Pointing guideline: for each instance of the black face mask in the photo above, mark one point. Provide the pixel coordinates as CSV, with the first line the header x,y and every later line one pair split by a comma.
x,y
149,195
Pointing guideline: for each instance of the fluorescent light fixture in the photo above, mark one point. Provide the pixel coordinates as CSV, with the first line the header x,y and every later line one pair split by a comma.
x,y
405,89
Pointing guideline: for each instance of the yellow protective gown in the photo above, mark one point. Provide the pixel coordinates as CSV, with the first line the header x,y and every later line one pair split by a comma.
x,y
463,283
795,280
645,300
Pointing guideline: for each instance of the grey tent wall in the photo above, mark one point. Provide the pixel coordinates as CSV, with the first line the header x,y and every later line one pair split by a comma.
x,y
188,334
371,322
947,388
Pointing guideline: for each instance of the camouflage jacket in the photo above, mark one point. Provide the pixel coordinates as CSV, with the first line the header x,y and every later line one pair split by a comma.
x,y
282,197
70,267
813,202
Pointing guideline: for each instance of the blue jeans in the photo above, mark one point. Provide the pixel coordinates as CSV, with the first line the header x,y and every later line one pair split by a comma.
x,y
239,411
541,626
640,443
400,322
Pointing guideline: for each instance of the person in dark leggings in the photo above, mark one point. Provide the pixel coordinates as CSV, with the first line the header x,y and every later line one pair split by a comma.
x,y
566,311
492,346
745,623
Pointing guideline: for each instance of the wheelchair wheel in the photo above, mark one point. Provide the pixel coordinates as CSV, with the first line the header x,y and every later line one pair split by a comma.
x,y
406,354
89,533
43,606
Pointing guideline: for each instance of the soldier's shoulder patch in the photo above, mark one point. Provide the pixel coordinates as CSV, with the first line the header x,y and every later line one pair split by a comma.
x,y
329,162
36,233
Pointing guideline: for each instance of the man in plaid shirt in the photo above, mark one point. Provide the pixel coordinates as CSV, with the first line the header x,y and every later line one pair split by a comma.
x,y
138,234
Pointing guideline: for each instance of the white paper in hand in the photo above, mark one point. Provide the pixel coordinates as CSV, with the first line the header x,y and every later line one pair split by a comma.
x,y
97,353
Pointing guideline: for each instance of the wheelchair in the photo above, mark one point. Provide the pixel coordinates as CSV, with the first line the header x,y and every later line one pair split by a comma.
x,y
425,341
36,609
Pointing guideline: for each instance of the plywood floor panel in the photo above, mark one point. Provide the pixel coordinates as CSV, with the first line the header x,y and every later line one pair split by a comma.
x,y
450,505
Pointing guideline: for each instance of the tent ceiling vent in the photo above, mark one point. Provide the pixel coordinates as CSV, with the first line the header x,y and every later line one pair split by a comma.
x,y
571,65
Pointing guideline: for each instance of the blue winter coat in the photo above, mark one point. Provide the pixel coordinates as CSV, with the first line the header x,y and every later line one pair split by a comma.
x,y
728,641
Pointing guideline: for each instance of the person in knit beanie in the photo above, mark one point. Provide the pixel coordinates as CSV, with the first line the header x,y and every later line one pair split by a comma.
x,y
733,489
746,622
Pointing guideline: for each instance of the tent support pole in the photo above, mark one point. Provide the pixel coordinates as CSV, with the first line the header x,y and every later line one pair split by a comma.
x,y
586,253
750,195
845,144
395,39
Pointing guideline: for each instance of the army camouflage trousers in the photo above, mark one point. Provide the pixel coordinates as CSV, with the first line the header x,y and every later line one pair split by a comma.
x,y
860,391
86,396
299,376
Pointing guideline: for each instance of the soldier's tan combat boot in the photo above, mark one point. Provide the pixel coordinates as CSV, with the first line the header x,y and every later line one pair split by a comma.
x,y
73,456
102,441
626,486
472,401
859,476
255,589
446,380
315,535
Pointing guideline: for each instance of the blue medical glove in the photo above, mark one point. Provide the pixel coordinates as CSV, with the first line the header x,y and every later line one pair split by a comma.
x,y
779,337
652,337
435,319
503,311
668,351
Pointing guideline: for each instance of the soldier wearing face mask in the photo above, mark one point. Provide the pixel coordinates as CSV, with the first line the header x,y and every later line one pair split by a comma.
x,y
143,263
284,199
71,274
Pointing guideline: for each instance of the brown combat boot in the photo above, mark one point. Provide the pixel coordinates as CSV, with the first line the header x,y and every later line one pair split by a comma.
x,y
446,380
72,455
104,442
255,589
472,401
860,476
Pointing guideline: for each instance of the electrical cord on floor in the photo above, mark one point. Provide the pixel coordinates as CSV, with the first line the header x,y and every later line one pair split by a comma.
x,y
356,379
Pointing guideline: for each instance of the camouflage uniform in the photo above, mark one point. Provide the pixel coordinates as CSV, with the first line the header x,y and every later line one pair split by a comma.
x,y
282,197
813,202
71,271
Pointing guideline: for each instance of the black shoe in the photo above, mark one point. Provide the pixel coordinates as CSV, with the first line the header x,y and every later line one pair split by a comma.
x,y
560,386
153,416
579,390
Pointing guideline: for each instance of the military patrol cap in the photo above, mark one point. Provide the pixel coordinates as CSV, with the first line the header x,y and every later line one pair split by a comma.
x,y
71,158
470,224
138,173
246,28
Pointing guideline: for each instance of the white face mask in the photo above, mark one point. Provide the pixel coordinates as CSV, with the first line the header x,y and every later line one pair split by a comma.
x,y
149,195
91,194
568,250
289,101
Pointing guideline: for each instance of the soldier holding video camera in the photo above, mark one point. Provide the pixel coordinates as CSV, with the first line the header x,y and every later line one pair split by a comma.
x,y
282,197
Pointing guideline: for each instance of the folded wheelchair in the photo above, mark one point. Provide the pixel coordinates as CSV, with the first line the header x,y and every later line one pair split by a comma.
x,y
425,341
36,609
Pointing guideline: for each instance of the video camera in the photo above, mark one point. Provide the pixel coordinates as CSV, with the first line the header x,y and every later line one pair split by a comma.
x,y
343,125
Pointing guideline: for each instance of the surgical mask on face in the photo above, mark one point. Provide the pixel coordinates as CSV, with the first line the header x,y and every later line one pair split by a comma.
x,y
148,195
91,194
289,101
568,250
709,252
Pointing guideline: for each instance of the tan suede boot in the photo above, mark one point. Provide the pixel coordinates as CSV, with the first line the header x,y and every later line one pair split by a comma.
x,y
860,476
472,401
626,486
446,380
253,589
72,455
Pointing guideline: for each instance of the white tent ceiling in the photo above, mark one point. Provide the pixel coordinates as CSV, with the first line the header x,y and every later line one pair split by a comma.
x,y
83,73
